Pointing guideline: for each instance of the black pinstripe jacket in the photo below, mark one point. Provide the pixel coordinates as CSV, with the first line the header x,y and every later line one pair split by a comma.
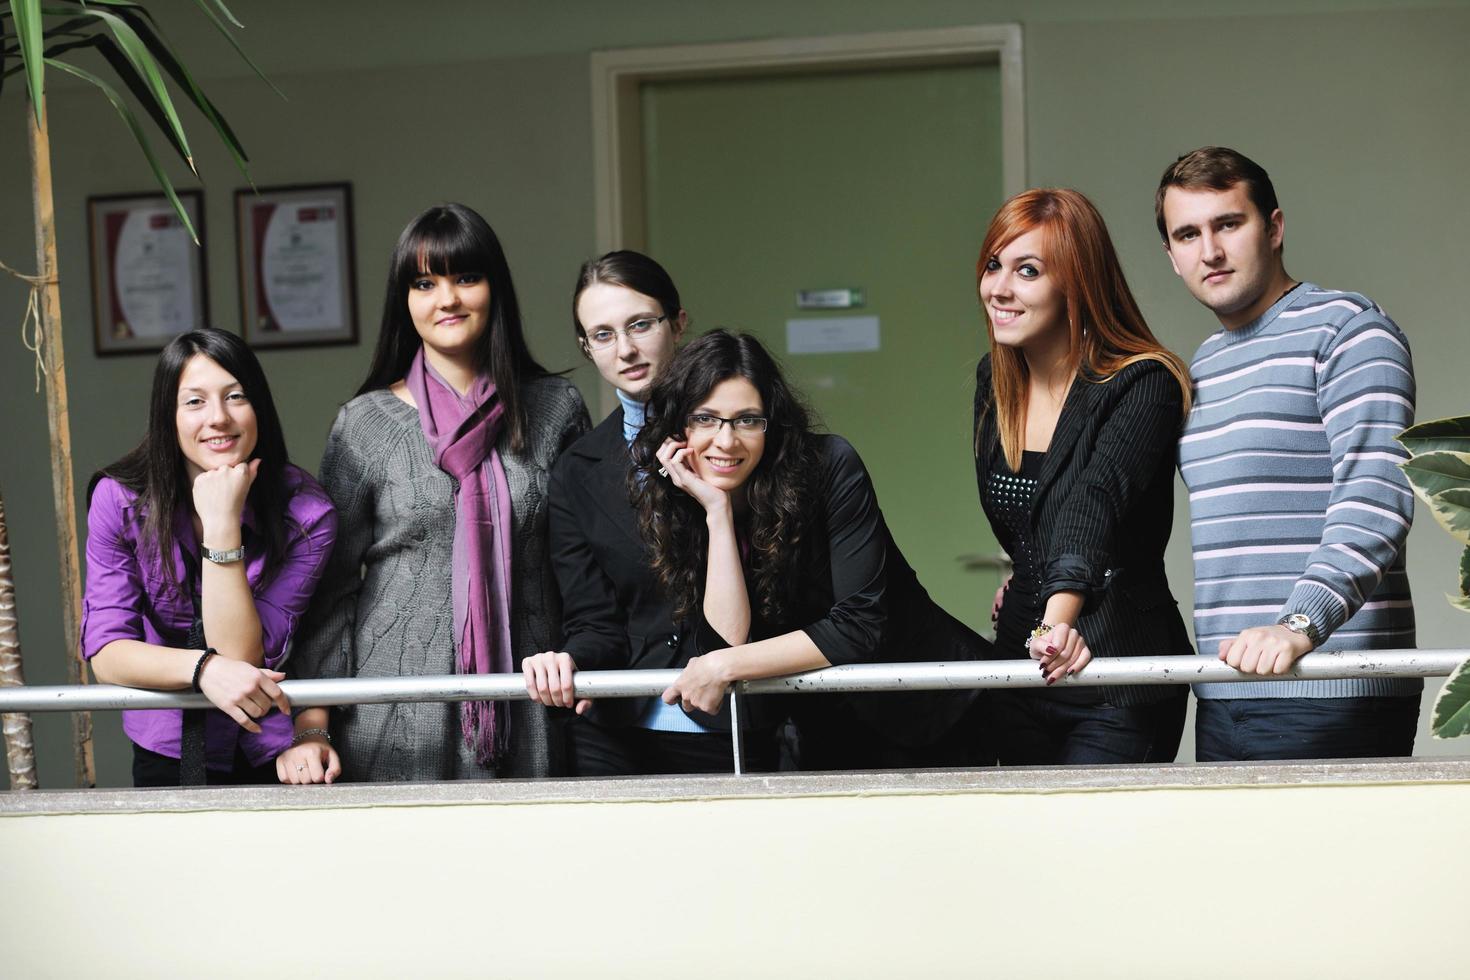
x,y
1103,509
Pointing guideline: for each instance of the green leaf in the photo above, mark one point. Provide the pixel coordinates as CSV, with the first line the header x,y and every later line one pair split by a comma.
x,y
27,15
1451,434
137,53
1459,601
138,134
1465,572
1433,472
1452,509
1452,707
181,76
204,6
228,16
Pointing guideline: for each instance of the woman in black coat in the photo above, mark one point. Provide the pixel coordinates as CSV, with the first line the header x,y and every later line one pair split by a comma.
x,y
1077,414
615,616
769,540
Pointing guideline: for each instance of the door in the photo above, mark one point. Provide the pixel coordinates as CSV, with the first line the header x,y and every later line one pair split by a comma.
x,y
880,181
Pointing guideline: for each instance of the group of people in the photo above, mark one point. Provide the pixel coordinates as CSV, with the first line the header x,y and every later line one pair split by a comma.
x,y
469,519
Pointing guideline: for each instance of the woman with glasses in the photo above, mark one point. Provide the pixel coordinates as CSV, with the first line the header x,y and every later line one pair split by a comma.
x,y
769,541
628,319
1077,414
438,468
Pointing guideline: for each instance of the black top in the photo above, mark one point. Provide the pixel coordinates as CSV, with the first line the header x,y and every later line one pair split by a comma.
x,y
615,615
1008,495
865,605
1102,510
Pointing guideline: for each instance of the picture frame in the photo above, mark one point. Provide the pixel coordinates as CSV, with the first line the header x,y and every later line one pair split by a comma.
x,y
297,265
149,279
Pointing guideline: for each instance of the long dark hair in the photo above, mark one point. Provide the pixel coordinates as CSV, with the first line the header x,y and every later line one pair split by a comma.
x,y
156,472
446,240
781,523
631,270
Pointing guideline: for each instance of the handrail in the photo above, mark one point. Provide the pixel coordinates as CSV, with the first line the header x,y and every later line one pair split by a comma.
x,y
938,676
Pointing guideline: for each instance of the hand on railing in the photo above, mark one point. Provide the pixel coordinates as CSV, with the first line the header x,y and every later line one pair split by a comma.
x,y
1061,650
700,686
1265,650
311,760
549,680
242,691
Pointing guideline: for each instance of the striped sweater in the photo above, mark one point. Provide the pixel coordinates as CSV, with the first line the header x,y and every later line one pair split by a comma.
x,y
1296,500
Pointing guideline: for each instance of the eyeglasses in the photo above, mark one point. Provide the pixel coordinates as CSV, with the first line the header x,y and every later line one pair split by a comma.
x,y
604,337
744,425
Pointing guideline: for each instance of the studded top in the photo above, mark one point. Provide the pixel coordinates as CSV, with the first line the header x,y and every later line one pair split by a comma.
x,y
1008,499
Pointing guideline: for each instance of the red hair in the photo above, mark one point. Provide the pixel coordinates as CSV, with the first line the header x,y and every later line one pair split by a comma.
x,y
1106,329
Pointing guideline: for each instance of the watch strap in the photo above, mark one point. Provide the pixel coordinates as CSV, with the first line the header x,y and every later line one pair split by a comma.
x,y
222,557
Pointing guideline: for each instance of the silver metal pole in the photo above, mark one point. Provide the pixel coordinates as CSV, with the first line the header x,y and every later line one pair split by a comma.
x,y
849,678
735,726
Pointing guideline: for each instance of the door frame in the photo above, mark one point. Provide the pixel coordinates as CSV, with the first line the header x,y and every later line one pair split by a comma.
x,y
617,123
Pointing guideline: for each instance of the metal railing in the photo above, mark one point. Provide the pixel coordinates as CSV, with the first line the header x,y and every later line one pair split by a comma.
x,y
852,678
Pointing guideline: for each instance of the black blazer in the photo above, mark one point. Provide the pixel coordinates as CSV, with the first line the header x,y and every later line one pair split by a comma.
x,y
864,604
1103,509
614,614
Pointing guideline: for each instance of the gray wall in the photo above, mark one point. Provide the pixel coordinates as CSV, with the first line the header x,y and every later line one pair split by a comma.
x,y
1355,108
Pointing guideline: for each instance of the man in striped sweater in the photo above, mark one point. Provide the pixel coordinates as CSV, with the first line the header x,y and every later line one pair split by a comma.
x,y
1298,510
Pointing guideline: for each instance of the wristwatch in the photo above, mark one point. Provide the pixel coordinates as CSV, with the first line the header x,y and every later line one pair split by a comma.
x,y
1302,624
222,557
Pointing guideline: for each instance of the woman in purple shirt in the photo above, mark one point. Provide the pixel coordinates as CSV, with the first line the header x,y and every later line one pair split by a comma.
x,y
204,545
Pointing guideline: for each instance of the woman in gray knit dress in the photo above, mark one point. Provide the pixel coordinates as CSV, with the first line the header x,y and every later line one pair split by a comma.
x,y
448,442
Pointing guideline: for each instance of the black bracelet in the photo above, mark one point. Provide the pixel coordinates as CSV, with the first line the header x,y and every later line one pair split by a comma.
x,y
199,668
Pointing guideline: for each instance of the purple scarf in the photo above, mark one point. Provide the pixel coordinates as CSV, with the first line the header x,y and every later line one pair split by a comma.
x,y
461,432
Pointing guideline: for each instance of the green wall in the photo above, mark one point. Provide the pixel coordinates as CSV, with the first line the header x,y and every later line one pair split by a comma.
x,y
1355,108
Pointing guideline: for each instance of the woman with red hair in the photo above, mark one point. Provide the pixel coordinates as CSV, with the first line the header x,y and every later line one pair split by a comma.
x,y
1077,412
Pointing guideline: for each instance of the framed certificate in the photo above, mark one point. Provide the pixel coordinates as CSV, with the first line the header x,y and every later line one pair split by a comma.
x,y
148,276
298,282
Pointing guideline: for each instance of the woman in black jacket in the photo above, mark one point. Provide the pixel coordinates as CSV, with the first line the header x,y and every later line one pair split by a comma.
x,y
629,321
1077,414
768,539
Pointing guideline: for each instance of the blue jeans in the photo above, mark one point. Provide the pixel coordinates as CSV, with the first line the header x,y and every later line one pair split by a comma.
x,y
1245,729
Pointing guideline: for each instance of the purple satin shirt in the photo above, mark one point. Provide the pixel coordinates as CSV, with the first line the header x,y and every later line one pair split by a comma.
x,y
128,597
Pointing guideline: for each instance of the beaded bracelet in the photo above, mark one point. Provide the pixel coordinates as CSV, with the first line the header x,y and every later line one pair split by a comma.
x,y
296,740
199,668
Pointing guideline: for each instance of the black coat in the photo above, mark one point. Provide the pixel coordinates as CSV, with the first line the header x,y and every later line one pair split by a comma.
x,y
864,604
1102,511
614,614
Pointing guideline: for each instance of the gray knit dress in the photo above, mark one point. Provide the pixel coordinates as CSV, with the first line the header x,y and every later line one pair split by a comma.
x,y
384,605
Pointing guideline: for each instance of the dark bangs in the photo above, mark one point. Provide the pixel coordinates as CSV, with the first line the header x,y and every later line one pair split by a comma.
x,y
440,246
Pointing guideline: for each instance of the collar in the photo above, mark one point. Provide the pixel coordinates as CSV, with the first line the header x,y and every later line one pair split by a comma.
x,y
634,413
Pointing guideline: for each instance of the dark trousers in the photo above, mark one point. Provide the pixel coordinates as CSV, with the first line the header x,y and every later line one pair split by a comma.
x,y
152,769
1244,729
831,737
1029,728
607,750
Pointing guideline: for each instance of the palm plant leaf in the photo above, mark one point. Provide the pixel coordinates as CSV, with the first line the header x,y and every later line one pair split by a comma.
x,y
224,10
140,21
146,67
132,121
204,5
27,17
